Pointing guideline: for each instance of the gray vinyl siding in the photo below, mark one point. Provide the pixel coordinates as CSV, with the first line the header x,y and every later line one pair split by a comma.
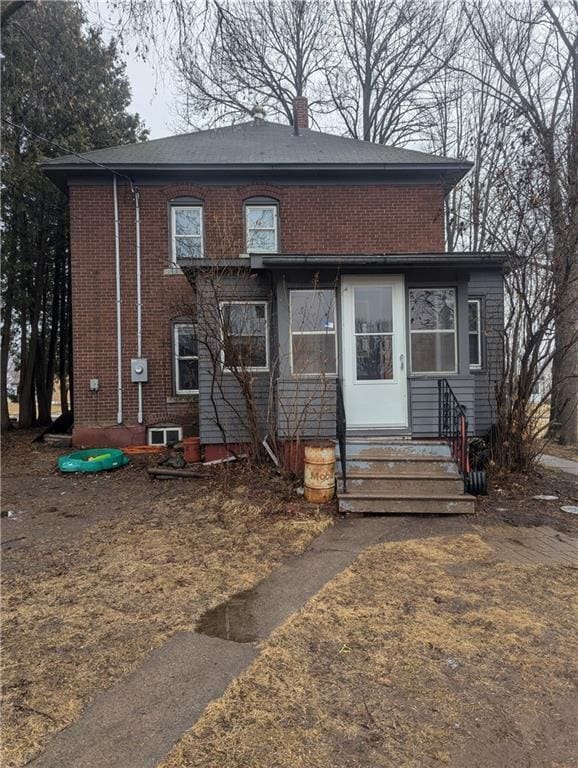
x,y
488,285
306,407
424,403
222,405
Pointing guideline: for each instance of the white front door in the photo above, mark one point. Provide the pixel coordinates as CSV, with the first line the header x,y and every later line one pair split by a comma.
x,y
374,351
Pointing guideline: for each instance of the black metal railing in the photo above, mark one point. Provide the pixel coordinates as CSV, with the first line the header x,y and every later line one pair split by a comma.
x,y
453,426
341,431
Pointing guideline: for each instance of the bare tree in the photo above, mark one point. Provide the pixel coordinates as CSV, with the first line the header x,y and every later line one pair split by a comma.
x,y
390,50
533,47
265,52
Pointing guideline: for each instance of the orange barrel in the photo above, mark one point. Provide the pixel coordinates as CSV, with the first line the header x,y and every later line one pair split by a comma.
x,y
192,449
320,471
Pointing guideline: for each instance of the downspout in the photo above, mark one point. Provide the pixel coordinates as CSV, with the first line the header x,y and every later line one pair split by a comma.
x,y
118,302
140,416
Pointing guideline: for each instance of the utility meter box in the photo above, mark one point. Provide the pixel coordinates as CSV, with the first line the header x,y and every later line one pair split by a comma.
x,y
139,372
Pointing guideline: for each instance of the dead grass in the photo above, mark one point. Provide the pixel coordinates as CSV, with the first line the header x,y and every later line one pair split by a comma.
x,y
79,615
423,653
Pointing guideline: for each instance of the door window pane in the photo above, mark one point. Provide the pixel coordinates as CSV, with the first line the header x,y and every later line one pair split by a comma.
x,y
373,309
374,358
433,352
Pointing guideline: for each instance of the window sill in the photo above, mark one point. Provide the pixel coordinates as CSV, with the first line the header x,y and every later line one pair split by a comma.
x,y
182,399
174,270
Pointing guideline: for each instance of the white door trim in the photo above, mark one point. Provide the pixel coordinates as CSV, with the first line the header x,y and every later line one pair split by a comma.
x,y
374,404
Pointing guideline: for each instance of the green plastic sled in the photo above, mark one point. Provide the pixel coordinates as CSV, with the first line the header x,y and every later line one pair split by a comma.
x,y
93,460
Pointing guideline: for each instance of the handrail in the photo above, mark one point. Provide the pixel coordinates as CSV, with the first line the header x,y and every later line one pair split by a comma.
x,y
453,425
341,431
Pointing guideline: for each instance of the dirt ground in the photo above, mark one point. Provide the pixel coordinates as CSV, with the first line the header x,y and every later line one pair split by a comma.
x,y
99,570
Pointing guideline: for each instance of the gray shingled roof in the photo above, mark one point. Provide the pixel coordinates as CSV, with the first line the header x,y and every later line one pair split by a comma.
x,y
256,143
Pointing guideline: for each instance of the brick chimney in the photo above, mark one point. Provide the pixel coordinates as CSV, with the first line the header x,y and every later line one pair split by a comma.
x,y
300,114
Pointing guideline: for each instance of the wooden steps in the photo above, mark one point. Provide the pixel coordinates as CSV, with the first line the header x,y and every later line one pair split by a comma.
x,y
402,477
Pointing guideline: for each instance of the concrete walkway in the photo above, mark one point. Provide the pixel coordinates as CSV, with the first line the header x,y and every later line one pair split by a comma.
x,y
135,723
562,465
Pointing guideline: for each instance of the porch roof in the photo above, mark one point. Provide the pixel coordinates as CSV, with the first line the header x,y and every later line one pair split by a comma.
x,y
394,260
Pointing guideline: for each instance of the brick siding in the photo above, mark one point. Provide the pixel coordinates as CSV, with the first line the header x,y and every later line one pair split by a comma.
x,y
313,219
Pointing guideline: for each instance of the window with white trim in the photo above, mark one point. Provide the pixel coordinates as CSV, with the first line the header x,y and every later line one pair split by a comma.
x,y
186,232
186,356
261,228
165,435
245,335
313,332
475,332
433,344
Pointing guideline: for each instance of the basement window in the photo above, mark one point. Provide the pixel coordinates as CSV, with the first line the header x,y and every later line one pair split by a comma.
x,y
165,435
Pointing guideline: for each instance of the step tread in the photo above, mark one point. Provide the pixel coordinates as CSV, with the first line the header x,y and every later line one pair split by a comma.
x,y
385,476
406,496
406,457
402,442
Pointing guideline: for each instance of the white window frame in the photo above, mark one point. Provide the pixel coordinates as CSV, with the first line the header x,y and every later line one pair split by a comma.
x,y
176,357
165,430
476,366
262,206
253,369
333,374
436,330
185,207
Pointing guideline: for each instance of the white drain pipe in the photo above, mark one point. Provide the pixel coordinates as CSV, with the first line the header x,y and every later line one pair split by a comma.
x,y
140,416
118,302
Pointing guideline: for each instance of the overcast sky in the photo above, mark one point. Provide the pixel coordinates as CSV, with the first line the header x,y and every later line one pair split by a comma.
x,y
153,95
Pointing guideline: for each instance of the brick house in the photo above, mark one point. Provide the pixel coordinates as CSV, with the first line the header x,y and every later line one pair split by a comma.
x,y
330,250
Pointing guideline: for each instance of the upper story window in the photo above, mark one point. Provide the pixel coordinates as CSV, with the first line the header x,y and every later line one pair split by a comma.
x,y
261,227
433,330
186,231
475,333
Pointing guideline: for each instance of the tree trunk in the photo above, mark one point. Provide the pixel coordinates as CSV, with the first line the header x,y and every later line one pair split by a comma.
x,y
5,356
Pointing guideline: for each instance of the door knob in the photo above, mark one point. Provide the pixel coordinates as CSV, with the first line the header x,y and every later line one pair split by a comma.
x,y
401,361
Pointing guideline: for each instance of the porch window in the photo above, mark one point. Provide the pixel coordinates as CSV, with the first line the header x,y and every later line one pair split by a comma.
x,y
186,232
475,332
261,228
186,360
245,335
313,332
433,330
